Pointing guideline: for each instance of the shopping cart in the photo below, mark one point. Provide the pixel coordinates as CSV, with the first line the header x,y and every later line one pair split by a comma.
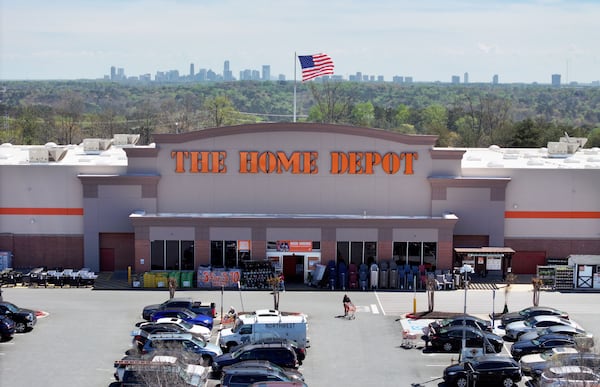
x,y
350,311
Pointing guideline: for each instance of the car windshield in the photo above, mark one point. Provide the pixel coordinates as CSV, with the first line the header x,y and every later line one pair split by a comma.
x,y
12,307
186,324
198,342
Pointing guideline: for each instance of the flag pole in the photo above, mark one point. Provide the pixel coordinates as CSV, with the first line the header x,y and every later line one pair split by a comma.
x,y
294,86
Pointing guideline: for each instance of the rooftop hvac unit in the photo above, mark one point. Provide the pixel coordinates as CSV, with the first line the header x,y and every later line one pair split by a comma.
x,y
38,154
95,145
126,139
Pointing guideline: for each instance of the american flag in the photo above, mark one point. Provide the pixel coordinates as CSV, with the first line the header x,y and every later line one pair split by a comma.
x,y
315,66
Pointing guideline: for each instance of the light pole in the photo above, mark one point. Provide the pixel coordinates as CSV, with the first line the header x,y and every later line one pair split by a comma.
x,y
465,269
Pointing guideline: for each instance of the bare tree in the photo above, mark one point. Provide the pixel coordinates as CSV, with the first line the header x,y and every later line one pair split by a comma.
x,y
332,104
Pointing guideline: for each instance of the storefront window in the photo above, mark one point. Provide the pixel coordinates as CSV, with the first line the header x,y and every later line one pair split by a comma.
x,y
172,255
225,254
430,255
157,251
416,253
187,254
216,253
401,253
356,252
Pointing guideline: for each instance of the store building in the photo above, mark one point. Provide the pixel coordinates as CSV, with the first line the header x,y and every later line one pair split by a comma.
x,y
296,194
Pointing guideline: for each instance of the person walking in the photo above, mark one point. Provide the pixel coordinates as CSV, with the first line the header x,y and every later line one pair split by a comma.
x,y
172,287
281,282
346,301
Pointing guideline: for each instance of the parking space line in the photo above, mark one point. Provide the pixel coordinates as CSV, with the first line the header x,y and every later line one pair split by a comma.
x,y
379,302
374,309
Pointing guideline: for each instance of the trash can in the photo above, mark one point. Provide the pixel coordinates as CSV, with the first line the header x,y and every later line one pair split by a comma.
x,y
331,270
363,277
383,275
374,276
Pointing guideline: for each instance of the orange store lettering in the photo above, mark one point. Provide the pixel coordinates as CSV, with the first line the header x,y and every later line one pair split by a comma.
x,y
297,163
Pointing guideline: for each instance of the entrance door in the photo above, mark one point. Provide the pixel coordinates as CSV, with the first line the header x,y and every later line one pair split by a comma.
x,y
293,268
107,259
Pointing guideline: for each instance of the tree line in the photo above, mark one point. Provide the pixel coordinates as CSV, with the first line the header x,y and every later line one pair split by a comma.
x,y
469,115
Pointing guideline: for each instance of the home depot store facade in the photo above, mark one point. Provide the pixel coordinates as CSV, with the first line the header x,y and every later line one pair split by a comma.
x,y
296,194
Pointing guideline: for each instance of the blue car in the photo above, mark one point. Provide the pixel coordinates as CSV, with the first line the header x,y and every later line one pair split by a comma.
x,y
184,314
7,327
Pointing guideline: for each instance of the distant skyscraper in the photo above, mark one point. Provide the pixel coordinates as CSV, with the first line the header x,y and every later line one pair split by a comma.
x,y
555,79
227,74
266,73
495,79
466,78
113,73
192,72
455,79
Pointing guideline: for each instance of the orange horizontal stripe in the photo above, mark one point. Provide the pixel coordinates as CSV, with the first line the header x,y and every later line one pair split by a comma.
x,y
41,211
552,215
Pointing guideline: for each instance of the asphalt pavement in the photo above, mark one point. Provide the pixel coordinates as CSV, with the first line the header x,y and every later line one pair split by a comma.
x,y
85,330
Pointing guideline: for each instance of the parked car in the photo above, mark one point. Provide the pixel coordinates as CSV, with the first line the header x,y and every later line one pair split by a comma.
x,y
184,342
174,324
243,377
450,339
300,352
517,328
471,321
183,302
278,353
279,384
522,348
7,327
487,370
568,330
24,318
532,311
185,315
294,374
572,376
535,363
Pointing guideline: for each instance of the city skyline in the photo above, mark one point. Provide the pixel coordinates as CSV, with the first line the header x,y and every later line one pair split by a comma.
x,y
522,41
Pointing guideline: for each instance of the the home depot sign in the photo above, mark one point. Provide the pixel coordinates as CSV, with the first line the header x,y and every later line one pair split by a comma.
x,y
297,163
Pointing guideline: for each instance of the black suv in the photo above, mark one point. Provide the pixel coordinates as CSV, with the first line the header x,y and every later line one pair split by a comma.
x,y
300,352
280,354
486,370
24,318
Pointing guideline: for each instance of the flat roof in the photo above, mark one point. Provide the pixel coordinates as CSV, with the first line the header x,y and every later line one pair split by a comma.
x,y
528,158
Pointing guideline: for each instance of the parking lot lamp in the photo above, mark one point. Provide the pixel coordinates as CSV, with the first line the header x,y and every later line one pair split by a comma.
x,y
465,269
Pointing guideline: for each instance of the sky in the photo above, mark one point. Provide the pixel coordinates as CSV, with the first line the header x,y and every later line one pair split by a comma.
x,y
429,40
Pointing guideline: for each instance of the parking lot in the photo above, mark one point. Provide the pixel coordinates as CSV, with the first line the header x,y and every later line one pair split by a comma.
x,y
86,330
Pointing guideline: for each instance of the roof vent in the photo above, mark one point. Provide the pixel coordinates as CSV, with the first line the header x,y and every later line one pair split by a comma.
x,y
56,154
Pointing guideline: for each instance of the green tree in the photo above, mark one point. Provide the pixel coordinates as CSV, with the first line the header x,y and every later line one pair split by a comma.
x,y
363,114
219,111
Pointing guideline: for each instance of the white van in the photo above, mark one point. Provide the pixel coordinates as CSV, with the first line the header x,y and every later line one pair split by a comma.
x,y
257,326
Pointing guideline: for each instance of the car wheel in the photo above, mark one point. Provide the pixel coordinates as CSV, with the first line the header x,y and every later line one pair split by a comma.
x,y
447,347
507,382
461,382
20,327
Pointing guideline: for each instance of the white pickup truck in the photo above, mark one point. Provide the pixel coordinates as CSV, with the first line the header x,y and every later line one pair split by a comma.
x,y
265,324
